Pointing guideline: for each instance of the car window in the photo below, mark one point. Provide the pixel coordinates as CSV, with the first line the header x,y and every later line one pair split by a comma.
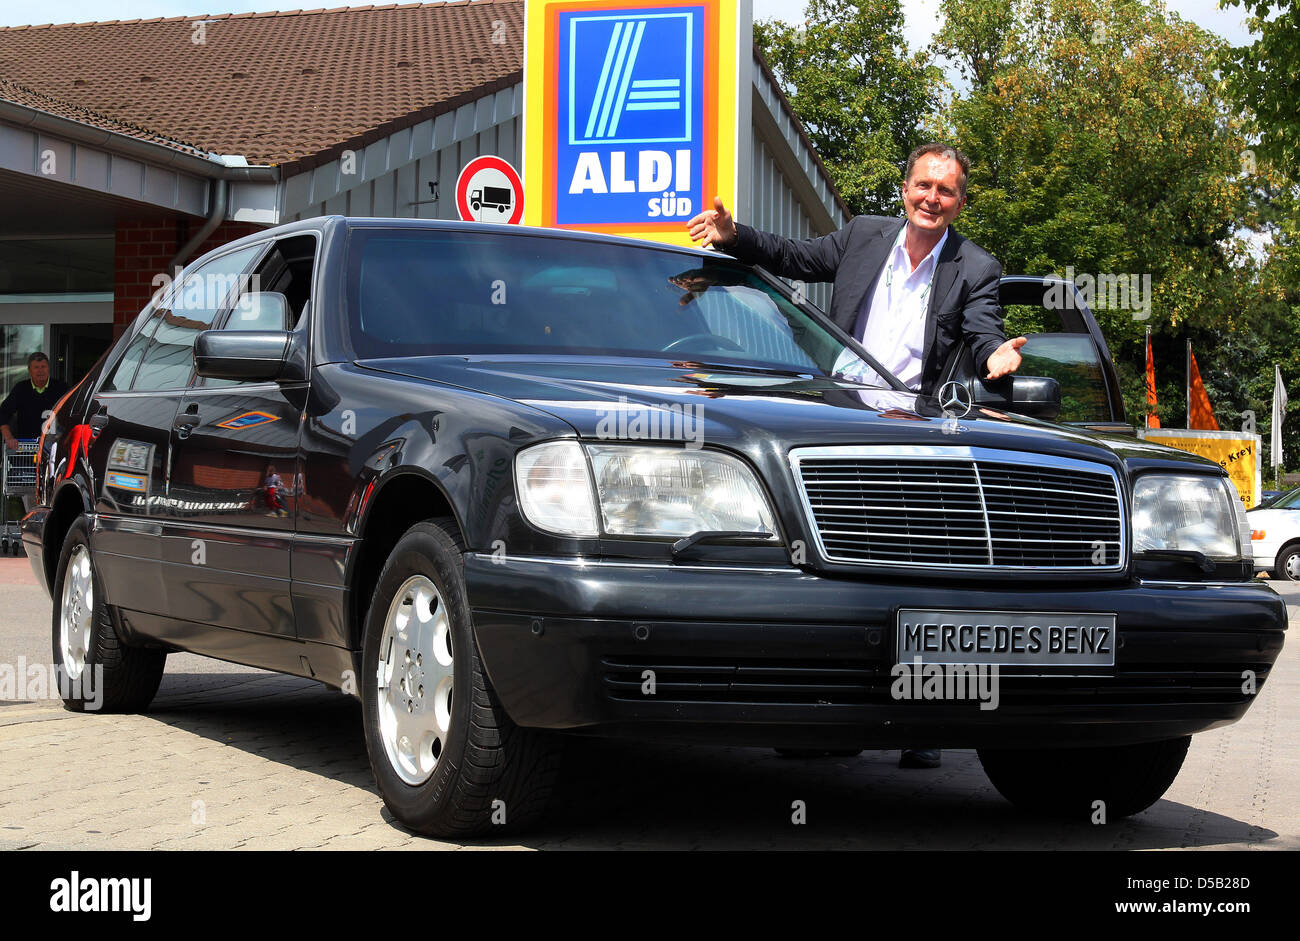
x,y
195,302
125,369
1287,500
288,269
1071,359
423,292
1024,319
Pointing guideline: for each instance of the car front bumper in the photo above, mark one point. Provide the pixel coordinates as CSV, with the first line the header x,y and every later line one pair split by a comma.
x,y
1265,555
786,658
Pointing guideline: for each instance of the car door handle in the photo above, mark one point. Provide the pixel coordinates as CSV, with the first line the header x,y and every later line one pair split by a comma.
x,y
185,422
97,424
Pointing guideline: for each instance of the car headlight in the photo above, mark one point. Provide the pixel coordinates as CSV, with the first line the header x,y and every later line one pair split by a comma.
x,y
554,488
638,491
1199,514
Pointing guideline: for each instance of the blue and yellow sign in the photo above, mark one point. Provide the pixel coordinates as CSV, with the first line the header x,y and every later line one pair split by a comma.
x,y
247,420
132,482
631,112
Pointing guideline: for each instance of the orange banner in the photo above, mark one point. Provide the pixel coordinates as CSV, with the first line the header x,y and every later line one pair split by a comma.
x,y
1200,415
1153,420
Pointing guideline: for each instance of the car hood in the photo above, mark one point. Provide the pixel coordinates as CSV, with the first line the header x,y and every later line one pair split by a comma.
x,y
715,405
1263,516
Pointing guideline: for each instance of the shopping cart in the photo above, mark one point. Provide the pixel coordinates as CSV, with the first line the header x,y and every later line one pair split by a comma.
x,y
18,479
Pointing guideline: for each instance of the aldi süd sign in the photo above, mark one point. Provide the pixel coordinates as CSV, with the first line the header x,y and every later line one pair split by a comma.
x,y
631,113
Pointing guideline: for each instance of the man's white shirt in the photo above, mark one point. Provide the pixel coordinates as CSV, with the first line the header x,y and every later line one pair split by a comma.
x,y
895,324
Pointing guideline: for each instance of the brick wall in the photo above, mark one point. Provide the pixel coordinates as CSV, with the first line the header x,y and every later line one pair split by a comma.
x,y
142,250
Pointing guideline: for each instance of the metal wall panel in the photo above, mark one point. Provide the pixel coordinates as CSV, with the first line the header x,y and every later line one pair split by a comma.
x,y
82,165
393,177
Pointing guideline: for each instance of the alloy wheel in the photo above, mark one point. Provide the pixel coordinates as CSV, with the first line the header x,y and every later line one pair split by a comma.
x,y
415,676
76,612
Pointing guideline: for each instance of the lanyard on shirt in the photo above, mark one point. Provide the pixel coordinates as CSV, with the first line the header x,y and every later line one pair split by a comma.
x,y
889,268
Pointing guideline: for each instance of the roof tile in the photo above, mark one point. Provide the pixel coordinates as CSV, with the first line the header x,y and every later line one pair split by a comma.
x,y
317,79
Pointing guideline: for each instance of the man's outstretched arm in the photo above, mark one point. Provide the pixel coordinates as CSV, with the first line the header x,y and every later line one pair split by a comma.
x,y
995,355
808,259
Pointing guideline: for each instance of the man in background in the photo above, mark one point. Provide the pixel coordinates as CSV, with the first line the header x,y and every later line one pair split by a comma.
x,y
30,401
27,405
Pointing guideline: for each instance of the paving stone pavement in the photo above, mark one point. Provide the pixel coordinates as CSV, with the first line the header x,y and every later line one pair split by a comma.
x,y
234,758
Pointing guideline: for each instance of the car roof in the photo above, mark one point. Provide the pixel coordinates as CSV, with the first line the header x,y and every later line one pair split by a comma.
x,y
317,223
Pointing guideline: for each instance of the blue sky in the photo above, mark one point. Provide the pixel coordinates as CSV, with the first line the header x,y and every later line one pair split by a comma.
x,y
920,14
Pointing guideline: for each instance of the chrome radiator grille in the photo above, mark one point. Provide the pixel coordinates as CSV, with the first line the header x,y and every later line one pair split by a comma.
x,y
961,507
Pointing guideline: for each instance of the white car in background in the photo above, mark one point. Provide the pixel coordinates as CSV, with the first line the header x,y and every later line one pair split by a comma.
x,y
1275,536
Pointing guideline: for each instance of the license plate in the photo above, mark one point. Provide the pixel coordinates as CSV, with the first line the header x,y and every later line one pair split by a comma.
x,y
1006,638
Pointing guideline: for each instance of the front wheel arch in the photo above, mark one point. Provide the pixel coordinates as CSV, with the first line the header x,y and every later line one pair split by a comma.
x,y
399,503
68,505
1280,559
486,773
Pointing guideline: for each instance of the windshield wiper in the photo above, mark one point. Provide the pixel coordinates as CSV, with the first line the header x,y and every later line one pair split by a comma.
x,y
686,543
837,377
733,367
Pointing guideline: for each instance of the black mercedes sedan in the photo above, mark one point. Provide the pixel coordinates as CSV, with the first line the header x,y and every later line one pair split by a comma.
x,y
504,483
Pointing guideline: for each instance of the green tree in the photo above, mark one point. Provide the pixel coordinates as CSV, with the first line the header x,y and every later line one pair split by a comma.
x,y
861,95
1265,76
1103,143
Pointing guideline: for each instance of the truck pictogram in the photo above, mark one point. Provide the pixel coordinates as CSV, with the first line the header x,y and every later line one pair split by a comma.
x,y
499,198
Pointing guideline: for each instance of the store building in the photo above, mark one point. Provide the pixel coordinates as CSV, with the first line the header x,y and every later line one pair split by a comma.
x,y
131,147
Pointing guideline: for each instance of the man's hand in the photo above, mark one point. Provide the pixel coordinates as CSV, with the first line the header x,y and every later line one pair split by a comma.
x,y
715,226
11,443
1005,359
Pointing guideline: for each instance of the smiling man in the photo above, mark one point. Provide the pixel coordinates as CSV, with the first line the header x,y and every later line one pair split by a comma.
x,y
907,289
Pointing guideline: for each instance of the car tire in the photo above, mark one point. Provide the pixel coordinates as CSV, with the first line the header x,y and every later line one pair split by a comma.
x,y
85,639
453,764
1288,565
1067,782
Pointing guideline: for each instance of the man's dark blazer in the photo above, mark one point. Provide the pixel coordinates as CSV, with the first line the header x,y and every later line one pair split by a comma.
x,y
963,299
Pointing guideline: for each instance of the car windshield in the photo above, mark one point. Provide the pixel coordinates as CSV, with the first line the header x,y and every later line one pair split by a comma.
x,y
421,292
1282,501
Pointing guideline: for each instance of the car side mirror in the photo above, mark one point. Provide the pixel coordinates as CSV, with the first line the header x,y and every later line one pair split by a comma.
x,y
260,310
1032,396
243,355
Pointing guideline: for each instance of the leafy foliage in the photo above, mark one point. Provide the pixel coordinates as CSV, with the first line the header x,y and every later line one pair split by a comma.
x,y
858,91
1265,76
1105,142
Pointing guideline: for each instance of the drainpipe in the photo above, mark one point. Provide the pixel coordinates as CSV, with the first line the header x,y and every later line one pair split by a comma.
x,y
218,213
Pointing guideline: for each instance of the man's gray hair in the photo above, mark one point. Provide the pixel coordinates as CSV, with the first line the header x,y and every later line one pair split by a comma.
x,y
939,150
